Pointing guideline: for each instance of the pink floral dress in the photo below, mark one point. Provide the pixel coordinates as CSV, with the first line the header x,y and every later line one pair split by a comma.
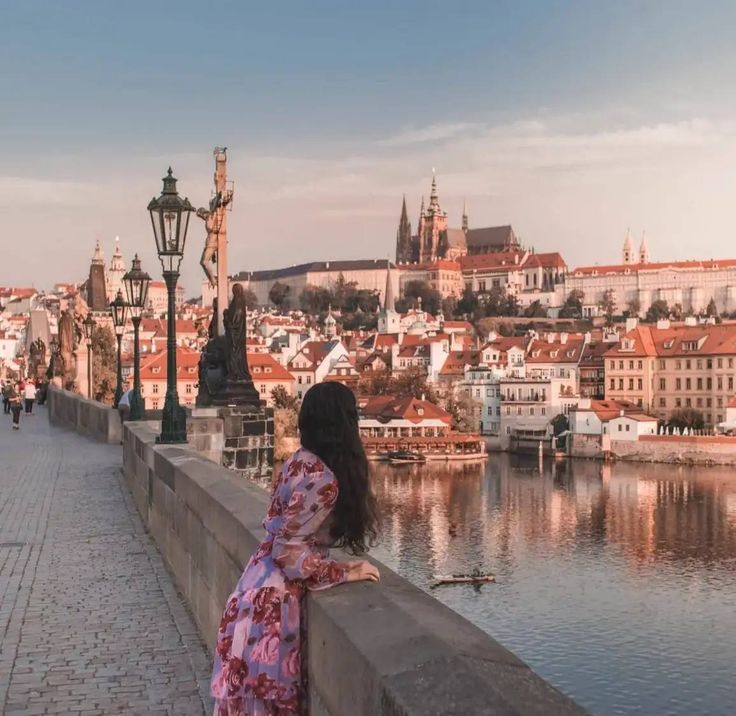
x,y
257,668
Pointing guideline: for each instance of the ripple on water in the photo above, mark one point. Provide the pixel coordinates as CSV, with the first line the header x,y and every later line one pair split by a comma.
x,y
618,584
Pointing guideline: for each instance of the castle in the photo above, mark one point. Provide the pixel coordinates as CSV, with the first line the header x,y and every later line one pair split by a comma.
x,y
435,240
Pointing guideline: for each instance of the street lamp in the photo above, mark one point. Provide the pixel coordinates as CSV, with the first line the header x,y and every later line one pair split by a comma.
x,y
136,287
119,310
170,219
89,327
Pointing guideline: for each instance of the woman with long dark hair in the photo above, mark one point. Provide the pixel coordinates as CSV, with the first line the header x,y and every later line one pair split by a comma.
x,y
321,499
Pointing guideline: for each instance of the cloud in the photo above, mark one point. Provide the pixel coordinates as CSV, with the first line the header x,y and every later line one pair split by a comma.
x,y
430,133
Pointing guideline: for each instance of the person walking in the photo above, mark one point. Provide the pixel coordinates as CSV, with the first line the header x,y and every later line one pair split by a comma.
x,y
29,393
7,390
323,498
15,407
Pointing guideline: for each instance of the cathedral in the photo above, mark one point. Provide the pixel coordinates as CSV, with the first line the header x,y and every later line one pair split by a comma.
x,y
435,240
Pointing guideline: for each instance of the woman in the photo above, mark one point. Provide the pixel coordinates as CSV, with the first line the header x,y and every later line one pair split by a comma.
x,y
15,406
321,499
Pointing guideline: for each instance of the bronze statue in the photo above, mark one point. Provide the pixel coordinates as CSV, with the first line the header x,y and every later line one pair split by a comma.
x,y
237,363
211,223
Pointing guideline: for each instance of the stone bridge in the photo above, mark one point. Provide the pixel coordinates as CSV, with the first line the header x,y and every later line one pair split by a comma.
x,y
115,563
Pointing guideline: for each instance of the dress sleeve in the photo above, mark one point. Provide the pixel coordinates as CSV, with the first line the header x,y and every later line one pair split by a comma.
x,y
294,550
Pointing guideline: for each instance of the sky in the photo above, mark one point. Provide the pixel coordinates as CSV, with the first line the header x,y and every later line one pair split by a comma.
x,y
572,121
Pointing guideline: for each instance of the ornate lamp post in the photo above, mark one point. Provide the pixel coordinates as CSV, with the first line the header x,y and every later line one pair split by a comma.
x,y
136,287
170,219
89,327
119,310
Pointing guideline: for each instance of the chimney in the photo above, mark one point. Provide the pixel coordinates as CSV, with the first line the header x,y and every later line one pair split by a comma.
x,y
551,337
631,324
563,338
691,321
663,324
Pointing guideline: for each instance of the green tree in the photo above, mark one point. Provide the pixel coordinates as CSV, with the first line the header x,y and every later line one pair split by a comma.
x,y
677,312
633,307
687,418
104,364
279,295
413,382
315,299
465,412
535,310
607,305
282,399
374,382
573,306
658,310
468,303
712,310
251,300
420,289
449,307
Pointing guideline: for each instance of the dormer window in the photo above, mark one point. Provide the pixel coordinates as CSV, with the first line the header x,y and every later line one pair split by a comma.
x,y
627,344
420,411
669,344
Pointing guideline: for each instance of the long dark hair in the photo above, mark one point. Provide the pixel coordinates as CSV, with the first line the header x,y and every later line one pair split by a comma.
x,y
328,423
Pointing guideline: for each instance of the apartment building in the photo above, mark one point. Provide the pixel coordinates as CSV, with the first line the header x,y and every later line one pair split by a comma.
x,y
674,367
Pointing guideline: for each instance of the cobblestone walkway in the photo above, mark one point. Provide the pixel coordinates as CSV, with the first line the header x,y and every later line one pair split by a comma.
x,y
90,621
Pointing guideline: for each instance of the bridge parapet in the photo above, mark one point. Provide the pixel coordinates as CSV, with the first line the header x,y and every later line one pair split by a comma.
x,y
372,649
71,410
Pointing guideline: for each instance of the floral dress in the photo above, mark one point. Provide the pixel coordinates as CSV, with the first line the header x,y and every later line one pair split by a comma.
x,y
258,660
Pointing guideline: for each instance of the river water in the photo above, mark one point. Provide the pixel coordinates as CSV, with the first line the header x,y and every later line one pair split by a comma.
x,y
615,583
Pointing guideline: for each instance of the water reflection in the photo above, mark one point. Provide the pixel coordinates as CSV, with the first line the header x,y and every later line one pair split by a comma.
x,y
618,583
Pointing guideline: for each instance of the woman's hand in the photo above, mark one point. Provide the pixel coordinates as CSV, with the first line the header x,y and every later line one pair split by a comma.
x,y
360,570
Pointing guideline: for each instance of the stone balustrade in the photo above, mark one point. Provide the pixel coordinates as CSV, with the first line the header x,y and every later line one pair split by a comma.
x,y
88,417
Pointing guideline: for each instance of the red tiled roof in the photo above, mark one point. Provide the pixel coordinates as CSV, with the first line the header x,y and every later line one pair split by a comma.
x,y
457,360
505,260
186,359
390,407
541,351
264,366
677,265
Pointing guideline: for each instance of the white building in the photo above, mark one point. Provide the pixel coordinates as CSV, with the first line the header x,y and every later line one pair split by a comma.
x,y
482,383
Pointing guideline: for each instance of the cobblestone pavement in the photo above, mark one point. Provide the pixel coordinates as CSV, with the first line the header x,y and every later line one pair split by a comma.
x,y
90,620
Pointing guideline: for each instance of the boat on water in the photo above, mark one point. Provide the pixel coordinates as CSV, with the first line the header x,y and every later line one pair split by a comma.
x,y
400,457
475,577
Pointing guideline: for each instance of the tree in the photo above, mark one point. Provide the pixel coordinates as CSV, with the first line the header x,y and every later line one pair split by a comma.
x,y
658,310
344,294
282,399
279,295
285,421
104,364
633,308
449,307
687,418
420,289
374,382
607,305
314,299
573,306
535,310
677,312
712,310
413,382
251,300
465,412
468,302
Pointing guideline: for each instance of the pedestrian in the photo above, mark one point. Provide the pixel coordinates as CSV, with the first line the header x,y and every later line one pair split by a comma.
x,y
15,407
321,499
7,390
124,403
29,393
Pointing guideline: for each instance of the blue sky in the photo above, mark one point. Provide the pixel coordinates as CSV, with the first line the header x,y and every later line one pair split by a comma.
x,y
570,120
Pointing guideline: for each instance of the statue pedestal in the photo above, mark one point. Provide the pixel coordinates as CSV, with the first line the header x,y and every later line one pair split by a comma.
x,y
249,441
204,433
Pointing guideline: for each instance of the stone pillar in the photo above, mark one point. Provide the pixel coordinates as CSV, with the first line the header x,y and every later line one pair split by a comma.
x,y
249,440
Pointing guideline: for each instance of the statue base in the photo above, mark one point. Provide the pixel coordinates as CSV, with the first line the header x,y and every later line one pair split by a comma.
x,y
249,440
237,393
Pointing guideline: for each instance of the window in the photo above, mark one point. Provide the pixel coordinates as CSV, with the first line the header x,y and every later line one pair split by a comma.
x,y
612,365
640,384
662,364
498,411
678,364
508,430
688,384
263,388
678,403
613,384
687,364
631,365
720,417
678,383
544,411
720,363
620,383
155,404
508,410
708,402
699,364
188,388
719,383
730,383
489,392
719,402
531,411
518,410
631,384
709,383
154,389
627,427
490,411
639,365
662,384
309,379
477,392
730,362
688,403
662,403
699,402
619,427
299,380
709,363
700,383
639,403
620,365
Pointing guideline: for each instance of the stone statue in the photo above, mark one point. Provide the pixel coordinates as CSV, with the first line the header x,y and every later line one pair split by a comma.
x,y
37,359
209,254
67,368
237,364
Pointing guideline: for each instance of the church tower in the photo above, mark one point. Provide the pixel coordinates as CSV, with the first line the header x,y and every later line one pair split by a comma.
x,y
114,278
388,319
96,289
403,237
433,231
643,249
628,250
465,217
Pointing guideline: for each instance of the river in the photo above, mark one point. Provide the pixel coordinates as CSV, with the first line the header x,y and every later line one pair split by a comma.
x,y
615,583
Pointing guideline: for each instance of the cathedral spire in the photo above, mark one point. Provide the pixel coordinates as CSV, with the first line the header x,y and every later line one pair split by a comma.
x,y
628,250
465,215
98,258
643,249
403,236
434,202
389,304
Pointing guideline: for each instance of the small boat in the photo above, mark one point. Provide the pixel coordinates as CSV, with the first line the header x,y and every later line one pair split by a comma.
x,y
475,577
405,456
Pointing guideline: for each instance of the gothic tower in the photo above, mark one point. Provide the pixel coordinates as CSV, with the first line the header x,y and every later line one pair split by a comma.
x,y
433,233
465,216
628,250
643,249
114,278
403,237
96,289
388,320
